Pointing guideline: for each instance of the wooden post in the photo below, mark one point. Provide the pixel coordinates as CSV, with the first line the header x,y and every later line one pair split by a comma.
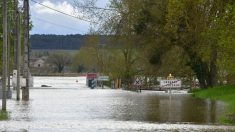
x,y
25,89
4,55
15,36
18,48
119,83
8,57
116,84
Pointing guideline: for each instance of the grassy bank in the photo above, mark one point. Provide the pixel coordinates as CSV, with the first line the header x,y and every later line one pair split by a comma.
x,y
223,93
3,115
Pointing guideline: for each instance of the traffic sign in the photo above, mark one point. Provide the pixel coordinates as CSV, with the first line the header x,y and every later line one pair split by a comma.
x,y
170,83
103,78
138,81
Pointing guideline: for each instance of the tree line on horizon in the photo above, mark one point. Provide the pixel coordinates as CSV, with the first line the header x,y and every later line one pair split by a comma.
x,y
60,42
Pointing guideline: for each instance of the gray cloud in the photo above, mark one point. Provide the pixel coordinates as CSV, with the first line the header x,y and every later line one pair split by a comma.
x,y
46,21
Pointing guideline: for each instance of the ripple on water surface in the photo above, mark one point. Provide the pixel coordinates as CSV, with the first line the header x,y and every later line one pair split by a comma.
x,y
70,106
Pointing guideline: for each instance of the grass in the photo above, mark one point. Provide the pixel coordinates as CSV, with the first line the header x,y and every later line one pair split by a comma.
x,y
3,115
223,93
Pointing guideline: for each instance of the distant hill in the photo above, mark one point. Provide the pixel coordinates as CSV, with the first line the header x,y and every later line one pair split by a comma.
x,y
57,42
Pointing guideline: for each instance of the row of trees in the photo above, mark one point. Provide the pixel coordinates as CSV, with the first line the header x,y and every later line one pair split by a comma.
x,y
58,42
185,37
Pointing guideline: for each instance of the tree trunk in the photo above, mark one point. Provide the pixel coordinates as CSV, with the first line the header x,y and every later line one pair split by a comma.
x,y
202,74
127,77
25,89
212,80
200,68
60,68
4,55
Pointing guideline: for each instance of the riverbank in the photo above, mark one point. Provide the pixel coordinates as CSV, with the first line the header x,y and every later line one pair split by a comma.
x,y
3,115
223,93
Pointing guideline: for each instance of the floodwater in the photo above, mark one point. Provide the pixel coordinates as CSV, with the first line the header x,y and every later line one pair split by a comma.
x,y
69,106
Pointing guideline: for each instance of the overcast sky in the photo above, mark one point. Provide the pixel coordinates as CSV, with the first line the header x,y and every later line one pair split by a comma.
x,y
46,21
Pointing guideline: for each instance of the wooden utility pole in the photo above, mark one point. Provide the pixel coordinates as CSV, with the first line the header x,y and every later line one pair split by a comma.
x,y
25,89
17,48
4,56
15,37
8,57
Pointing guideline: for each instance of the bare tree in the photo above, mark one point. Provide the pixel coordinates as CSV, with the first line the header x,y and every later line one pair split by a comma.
x,y
59,60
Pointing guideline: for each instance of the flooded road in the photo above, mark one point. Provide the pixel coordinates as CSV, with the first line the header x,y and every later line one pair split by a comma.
x,y
69,106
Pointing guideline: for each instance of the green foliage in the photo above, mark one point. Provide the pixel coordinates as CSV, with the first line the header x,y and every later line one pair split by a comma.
x,y
148,31
216,92
174,61
4,115
226,42
105,59
11,25
84,58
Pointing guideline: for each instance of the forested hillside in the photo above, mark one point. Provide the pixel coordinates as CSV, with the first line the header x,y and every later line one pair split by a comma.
x,y
60,42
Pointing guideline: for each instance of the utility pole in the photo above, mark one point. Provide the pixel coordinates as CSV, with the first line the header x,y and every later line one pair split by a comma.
x,y
17,48
25,89
4,56
8,58
15,38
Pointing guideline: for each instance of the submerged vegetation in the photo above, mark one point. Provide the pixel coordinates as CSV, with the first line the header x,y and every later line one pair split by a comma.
x,y
223,93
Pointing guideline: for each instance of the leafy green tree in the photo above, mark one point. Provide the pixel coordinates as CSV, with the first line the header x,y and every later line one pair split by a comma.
x,y
197,27
10,29
189,25
226,44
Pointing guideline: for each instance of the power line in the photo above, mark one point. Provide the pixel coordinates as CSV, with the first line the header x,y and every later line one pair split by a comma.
x,y
99,8
60,11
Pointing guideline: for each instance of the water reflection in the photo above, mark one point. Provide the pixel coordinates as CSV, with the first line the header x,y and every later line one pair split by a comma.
x,y
83,109
22,110
164,108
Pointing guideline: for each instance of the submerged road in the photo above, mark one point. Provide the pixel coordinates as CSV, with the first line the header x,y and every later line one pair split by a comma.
x,y
69,106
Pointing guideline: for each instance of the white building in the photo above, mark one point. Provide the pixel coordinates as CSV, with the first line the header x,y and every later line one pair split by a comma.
x,y
37,63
